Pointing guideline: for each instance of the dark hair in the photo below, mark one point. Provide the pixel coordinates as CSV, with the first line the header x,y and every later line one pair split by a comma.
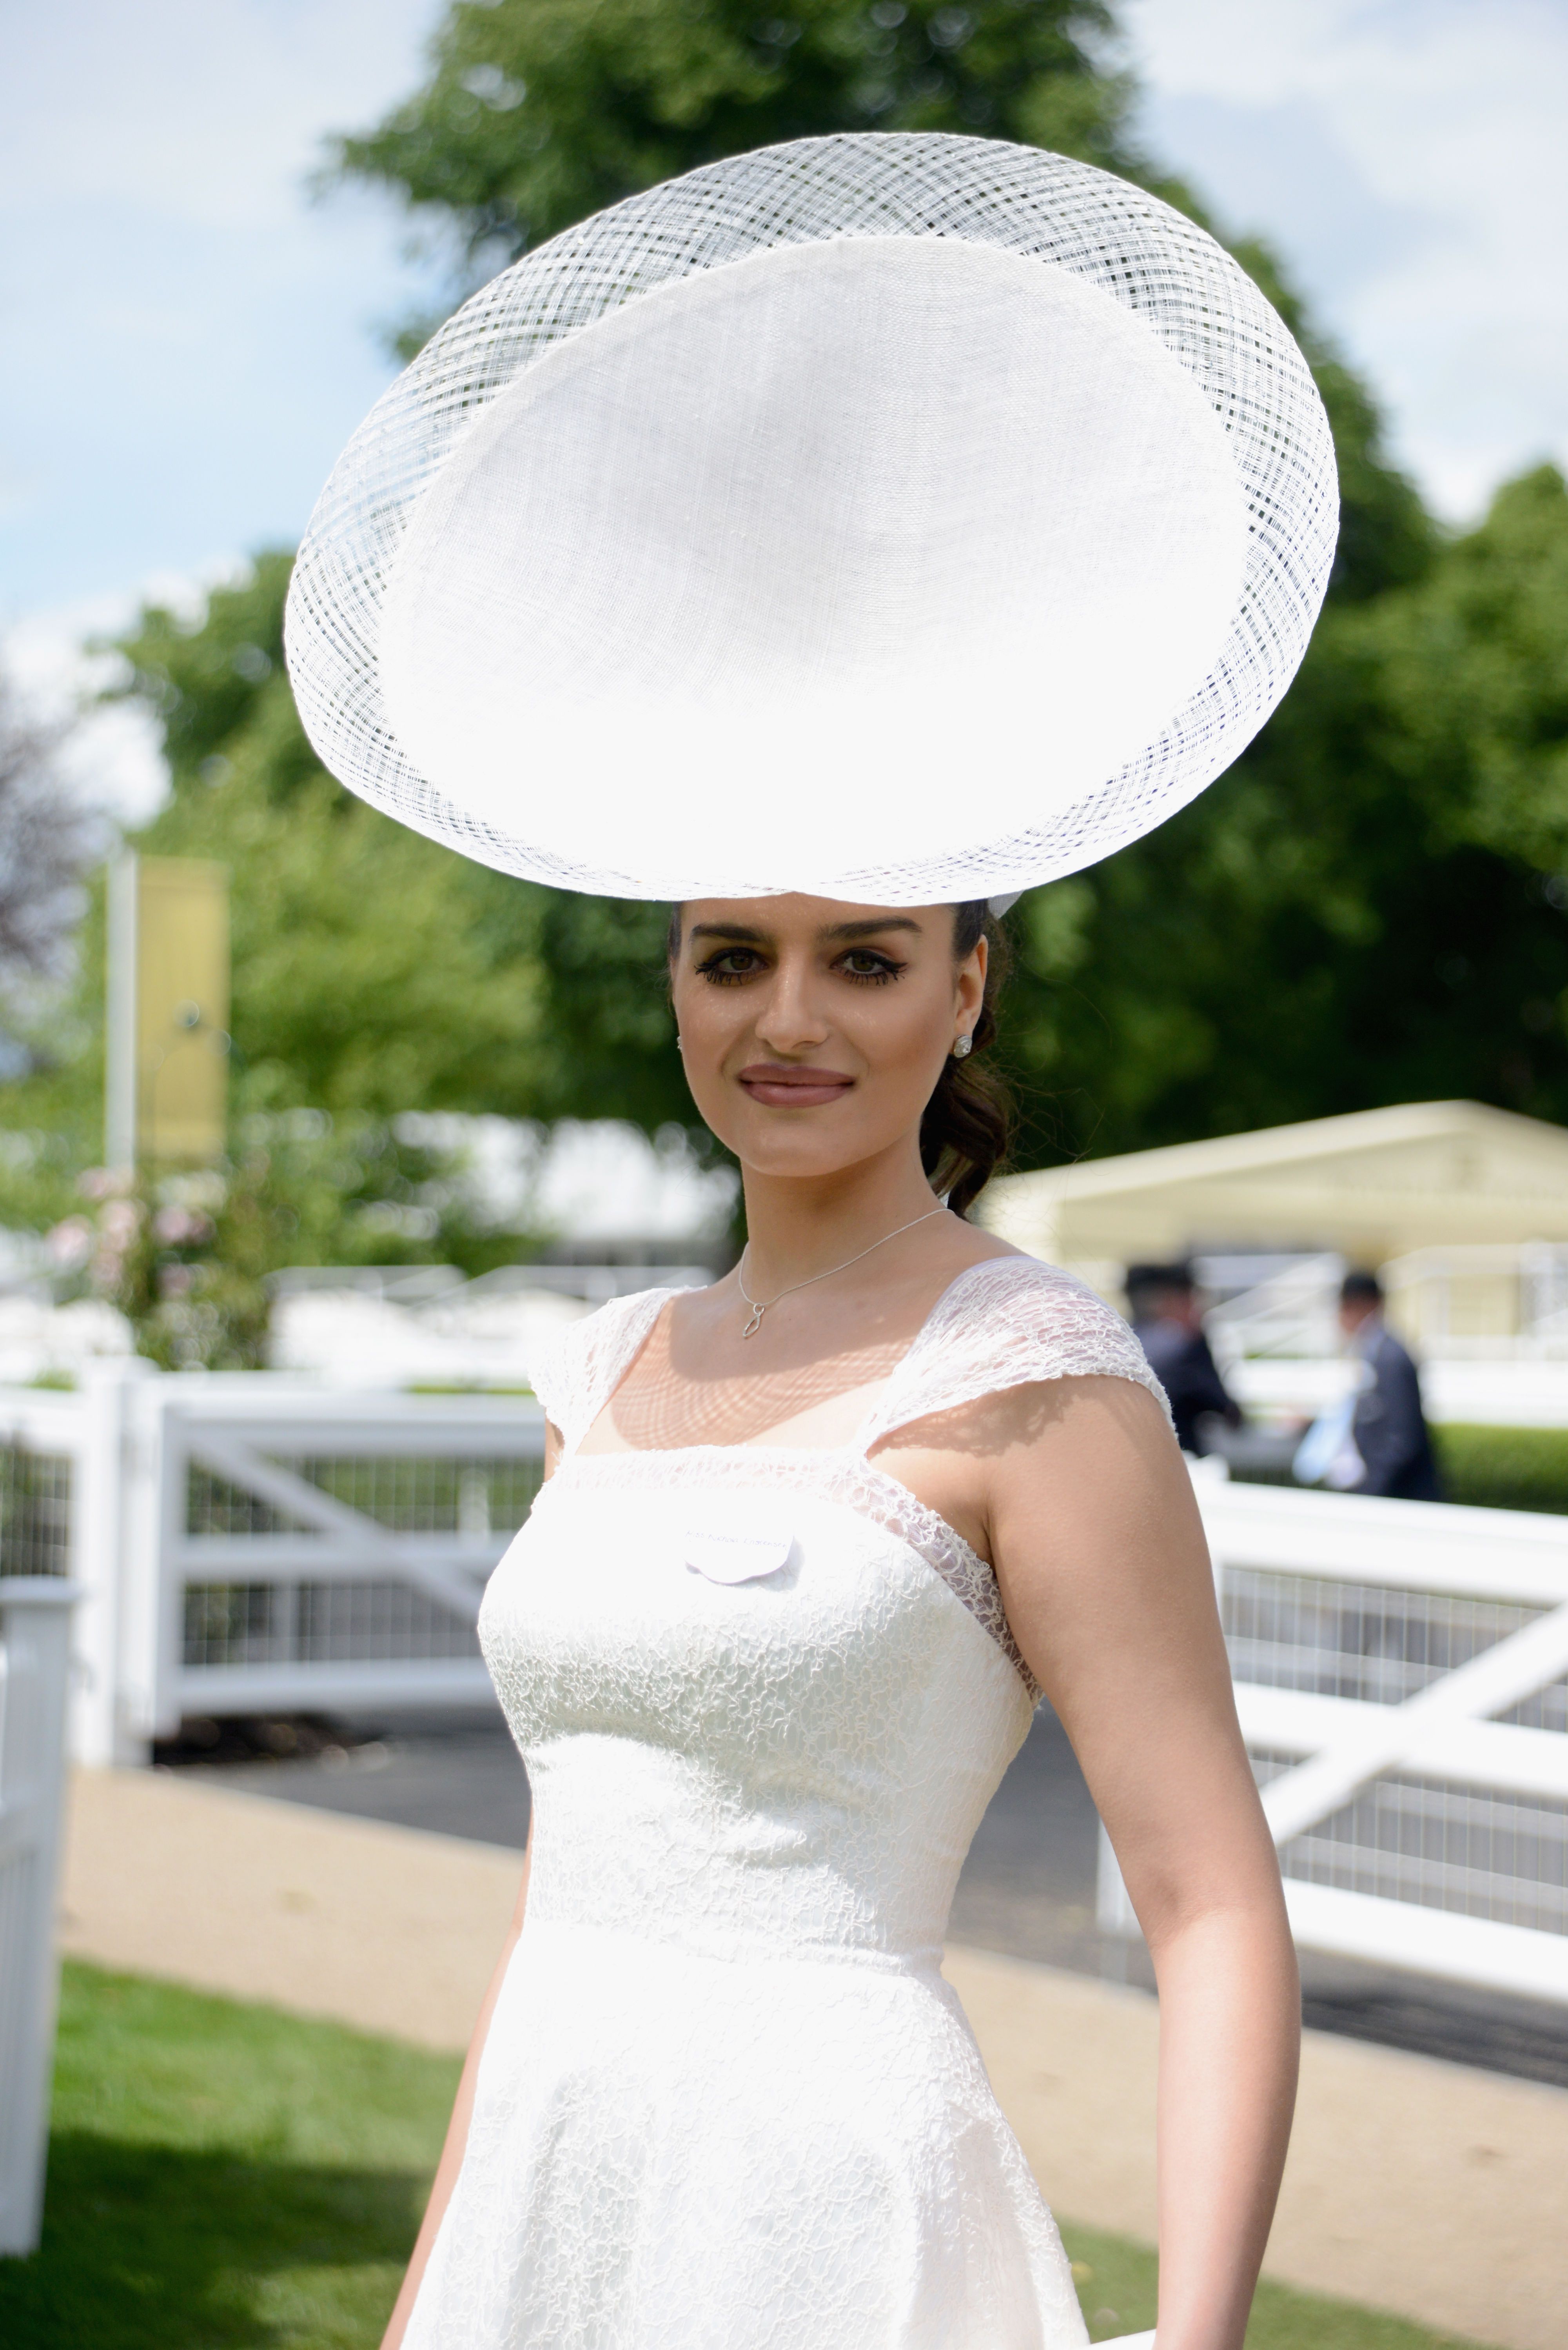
x,y
968,1122
1361,1288
1142,1281
967,1125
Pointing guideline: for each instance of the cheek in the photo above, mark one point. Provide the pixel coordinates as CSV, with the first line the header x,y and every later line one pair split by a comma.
x,y
705,1013
905,1052
708,1020
900,1035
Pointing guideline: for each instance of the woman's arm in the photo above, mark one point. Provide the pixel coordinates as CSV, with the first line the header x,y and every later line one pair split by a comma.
x,y
453,2151
1105,1570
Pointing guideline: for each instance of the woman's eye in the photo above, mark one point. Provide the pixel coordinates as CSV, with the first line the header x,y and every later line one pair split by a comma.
x,y
735,962
861,963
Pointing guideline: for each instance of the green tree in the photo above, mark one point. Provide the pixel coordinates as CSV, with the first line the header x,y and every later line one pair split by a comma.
x,y
374,971
537,112
1368,907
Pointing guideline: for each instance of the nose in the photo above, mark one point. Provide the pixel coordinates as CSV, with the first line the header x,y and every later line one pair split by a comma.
x,y
791,1020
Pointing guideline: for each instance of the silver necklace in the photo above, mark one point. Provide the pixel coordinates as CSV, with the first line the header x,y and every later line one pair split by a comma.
x,y
760,1306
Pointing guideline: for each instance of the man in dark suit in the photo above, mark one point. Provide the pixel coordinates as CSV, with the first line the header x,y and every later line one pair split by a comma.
x,y
1388,1427
1168,1322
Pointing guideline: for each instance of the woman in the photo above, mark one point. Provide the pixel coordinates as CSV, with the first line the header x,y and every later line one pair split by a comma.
x,y
814,1539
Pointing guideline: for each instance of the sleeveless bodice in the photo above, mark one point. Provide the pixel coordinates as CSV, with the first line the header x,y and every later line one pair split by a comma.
x,y
764,1696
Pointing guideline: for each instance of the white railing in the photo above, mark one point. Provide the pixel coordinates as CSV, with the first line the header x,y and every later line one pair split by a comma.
x,y
34,1624
246,1544
1402,1680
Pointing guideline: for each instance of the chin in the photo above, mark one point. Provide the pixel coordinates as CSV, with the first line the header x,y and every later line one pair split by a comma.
x,y
803,1155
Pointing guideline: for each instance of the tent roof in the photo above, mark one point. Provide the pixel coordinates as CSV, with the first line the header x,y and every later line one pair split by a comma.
x,y
1375,1181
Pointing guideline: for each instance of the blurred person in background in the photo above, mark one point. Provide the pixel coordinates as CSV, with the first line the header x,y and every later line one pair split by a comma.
x,y
1168,1322
1387,1427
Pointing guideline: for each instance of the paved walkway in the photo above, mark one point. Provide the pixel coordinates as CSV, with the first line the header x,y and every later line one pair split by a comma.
x,y
1415,2186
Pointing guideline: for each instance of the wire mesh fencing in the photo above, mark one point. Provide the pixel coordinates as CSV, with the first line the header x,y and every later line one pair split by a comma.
x,y
346,1620
35,1505
1412,1837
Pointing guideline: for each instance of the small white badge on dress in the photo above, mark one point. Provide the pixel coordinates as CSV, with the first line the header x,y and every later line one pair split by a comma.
x,y
737,1559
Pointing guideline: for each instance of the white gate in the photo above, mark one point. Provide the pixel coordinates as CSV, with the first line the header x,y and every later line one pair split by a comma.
x,y
1402,1680
247,1544
34,1623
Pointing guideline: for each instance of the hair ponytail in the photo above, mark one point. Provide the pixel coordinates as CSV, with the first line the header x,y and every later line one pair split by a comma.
x,y
968,1122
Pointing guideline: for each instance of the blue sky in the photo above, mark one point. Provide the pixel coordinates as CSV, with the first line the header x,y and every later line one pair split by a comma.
x,y
1407,158
191,338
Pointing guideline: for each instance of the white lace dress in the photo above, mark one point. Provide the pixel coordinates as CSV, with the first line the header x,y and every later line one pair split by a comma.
x,y
727,2101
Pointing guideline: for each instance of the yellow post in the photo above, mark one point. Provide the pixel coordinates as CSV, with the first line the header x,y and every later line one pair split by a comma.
x,y
167,1011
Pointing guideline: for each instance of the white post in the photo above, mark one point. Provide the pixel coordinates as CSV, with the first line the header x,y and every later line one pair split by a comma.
x,y
1114,1913
35,1646
103,1472
151,1506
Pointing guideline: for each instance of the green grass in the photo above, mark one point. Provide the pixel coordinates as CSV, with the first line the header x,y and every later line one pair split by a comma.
x,y
1116,2283
223,2175
1504,1468
226,2178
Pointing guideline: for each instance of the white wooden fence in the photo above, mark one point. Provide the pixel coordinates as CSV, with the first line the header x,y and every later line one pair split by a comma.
x,y
246,1544
1402,1679
34,1624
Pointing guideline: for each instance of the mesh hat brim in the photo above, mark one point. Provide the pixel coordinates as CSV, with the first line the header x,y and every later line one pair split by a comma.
x,y
497,795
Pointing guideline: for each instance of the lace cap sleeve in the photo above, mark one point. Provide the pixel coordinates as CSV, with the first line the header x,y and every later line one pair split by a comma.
x,y
575,1372
1004,1324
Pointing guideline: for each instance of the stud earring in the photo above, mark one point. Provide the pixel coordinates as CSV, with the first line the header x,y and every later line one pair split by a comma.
x,y
962,1048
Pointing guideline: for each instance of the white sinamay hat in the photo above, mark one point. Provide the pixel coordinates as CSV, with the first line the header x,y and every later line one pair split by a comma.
x,y
898,518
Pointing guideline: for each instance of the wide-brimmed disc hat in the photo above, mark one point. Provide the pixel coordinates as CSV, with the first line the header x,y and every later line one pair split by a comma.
x,y
896,518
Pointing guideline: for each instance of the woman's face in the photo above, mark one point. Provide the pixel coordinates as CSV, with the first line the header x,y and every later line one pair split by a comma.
x,y
813,1033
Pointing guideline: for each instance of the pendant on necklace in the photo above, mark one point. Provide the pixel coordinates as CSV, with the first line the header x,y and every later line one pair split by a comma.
x,y
755,1324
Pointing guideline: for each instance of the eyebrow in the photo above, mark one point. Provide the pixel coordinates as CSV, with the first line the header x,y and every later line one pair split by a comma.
x,y
742,931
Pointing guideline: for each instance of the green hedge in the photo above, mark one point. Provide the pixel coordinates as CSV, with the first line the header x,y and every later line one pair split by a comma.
x,y
1504,1468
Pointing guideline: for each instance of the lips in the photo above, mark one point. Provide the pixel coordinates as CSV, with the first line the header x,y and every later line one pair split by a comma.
x,y
779,1084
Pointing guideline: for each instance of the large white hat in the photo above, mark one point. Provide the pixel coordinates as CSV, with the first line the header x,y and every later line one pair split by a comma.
x,y
900,518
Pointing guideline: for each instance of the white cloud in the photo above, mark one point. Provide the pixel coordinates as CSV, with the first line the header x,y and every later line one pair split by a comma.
x,y
1433,127
113,754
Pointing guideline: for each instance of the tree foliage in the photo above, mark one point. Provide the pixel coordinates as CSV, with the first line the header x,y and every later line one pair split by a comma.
x,y
1371,906
375,972
1368,907
48,838
184,1252
537,112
